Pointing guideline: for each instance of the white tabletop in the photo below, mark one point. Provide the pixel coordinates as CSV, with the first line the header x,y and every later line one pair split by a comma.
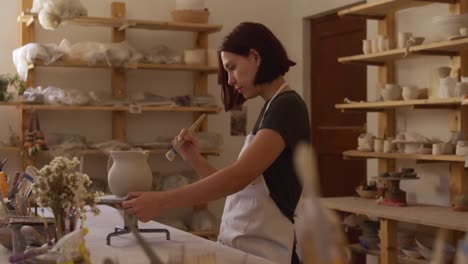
x,y
126,250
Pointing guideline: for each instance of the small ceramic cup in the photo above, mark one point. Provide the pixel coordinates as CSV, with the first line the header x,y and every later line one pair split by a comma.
x,y
378,144
464,32
388,146
374,45
402,39
366,46
382,43
462,148
438,148
461,89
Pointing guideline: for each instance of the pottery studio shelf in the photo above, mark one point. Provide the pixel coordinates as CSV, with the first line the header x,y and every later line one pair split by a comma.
x,y
435,216
208,151
420,103
441,48
432,158
29,17
373,252
380,8
135,66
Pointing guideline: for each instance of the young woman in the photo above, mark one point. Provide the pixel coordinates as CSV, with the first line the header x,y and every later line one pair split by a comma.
x,y
262,187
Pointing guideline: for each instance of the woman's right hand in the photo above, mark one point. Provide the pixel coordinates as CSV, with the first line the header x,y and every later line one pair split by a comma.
x,y
189,149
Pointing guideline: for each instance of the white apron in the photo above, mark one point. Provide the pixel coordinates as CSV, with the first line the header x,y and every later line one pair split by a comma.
x,y
253,223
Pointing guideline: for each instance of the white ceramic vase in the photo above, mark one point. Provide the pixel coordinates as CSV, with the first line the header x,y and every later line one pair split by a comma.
x,y
130,172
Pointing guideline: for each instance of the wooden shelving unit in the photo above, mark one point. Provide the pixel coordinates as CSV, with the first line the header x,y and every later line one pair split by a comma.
x,y
439,217
379,155
118,25
380,8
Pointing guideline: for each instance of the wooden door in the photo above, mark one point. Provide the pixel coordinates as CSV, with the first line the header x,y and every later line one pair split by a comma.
x,y
333,131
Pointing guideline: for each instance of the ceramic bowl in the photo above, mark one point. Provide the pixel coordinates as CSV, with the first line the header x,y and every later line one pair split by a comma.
x,y
418,40
410,93
367,194
464,31
390,95
195,56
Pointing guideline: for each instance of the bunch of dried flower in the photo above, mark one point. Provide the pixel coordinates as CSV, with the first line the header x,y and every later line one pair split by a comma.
x,y
65,190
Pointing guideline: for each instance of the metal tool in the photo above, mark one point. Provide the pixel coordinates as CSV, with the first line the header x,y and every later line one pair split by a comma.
x,y
170,155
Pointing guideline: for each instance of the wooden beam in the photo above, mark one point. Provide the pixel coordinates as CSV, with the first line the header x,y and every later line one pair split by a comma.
x,y
201,79
389,243
27,36
119,78
458,181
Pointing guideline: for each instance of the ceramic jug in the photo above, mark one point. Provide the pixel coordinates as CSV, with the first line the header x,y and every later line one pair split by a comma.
x,y
130,172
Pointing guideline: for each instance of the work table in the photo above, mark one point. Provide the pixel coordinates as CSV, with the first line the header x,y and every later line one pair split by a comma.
x,y
125,248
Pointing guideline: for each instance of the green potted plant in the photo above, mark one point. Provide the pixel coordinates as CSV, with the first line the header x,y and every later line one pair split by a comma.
x,y
7,80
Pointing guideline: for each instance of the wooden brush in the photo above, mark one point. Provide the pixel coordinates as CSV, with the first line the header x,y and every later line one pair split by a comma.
x,y
170,155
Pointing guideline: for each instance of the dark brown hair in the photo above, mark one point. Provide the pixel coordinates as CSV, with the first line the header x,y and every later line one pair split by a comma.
x,y
274,60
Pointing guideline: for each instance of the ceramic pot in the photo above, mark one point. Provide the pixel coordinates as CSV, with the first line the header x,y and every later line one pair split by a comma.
x,y
130,172
195,56
447,87
391,92
410,93
461,89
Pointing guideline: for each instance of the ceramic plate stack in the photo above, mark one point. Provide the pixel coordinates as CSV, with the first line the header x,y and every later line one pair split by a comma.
x,y
190,11
448,26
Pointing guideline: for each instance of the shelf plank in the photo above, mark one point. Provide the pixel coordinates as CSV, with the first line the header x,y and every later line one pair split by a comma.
x,y
440,48
137,66
380,8
440,158
214,109
435,102
378,58
436,216
28,17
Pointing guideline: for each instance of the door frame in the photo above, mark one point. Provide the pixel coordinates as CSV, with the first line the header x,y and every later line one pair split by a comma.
x,y
306,51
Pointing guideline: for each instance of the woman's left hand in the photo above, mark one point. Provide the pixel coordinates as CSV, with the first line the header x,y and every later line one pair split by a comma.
x,y
145,206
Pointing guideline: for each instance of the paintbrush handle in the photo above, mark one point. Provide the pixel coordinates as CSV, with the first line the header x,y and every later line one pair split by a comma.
x,y
170,155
